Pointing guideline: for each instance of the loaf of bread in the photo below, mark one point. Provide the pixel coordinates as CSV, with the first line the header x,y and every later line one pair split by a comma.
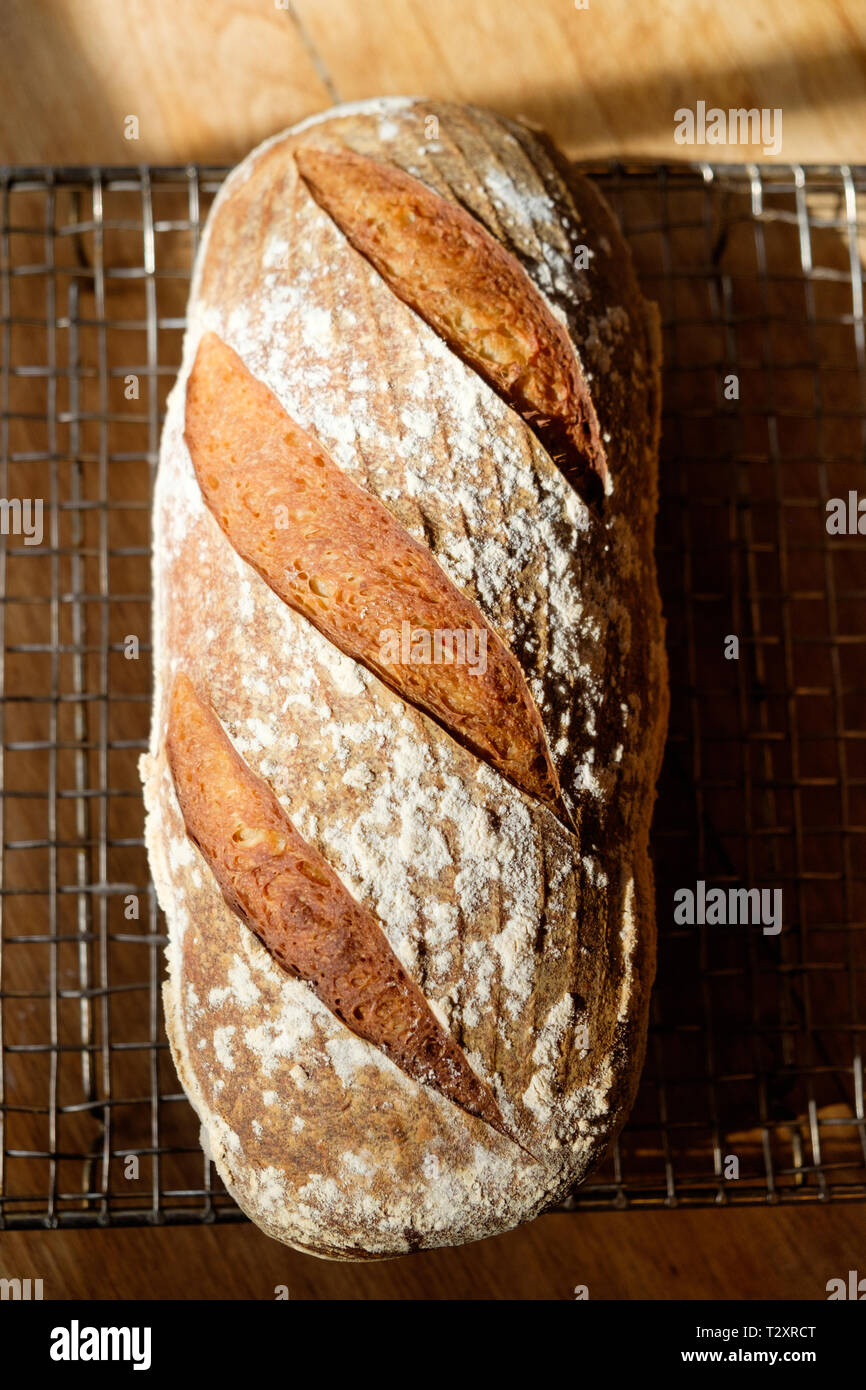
x,y
410,680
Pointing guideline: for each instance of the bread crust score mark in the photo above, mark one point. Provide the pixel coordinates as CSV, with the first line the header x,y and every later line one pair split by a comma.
x,y
441,262
336,554
290,897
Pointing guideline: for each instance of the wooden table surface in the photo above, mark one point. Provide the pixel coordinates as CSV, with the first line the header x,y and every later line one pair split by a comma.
x,y
207,79
736,1254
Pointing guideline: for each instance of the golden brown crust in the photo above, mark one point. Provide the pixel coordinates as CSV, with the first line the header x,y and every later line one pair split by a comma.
x,y
452,272
337,555
288,894
534,945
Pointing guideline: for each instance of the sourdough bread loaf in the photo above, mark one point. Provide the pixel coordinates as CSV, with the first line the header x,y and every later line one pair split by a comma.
x,y
410,905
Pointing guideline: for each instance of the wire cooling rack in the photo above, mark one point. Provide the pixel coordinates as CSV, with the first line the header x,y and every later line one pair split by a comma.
x,y
753,1087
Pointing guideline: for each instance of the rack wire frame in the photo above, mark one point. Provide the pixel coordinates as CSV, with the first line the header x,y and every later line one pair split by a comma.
x,y
753,1087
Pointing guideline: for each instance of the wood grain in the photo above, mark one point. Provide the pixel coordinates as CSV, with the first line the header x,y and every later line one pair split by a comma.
x,y
747,1254
608,79
206,80
210,78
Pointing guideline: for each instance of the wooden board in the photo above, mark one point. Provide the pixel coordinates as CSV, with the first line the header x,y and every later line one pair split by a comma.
x,y
205,80
606,80
736,1254
209,78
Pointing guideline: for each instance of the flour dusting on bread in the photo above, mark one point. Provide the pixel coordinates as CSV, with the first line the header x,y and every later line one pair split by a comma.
x,y
532,942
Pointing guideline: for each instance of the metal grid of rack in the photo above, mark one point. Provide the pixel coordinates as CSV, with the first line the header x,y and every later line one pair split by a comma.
x,y
755,1051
